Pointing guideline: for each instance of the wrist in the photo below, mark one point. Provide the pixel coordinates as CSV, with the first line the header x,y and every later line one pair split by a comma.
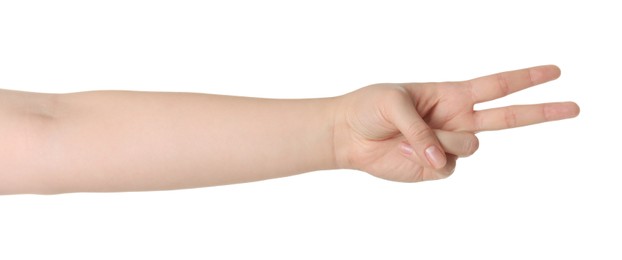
x,y
318,124
340,135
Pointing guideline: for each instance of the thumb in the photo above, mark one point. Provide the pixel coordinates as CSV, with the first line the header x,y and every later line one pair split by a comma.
x,y
424,144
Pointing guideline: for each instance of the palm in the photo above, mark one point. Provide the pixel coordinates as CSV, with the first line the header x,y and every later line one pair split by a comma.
x,y
446,106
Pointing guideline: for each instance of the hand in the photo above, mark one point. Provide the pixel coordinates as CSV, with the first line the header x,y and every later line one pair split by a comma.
x,y
378,126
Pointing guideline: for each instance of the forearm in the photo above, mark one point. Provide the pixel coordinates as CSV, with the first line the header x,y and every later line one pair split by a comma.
x,y
122,141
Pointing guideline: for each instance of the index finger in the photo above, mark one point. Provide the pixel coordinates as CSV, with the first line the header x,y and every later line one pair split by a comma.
x,y
502,84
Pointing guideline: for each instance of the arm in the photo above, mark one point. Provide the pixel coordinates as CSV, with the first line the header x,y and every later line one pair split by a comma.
x,y
128,141
122,140
131,141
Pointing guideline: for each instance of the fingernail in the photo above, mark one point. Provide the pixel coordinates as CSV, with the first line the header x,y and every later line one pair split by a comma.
x,y
406,148
435,157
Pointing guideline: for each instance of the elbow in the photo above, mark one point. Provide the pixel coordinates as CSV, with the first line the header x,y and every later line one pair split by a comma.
x,y
27,129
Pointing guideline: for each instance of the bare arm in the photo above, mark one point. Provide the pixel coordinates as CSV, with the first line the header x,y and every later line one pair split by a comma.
x,y
132,141
122,140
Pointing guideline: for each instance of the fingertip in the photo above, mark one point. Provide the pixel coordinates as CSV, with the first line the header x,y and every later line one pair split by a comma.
x,y
569,110
544,73
451,163
448,169
552,71
472,145
560,111
574,109
556,72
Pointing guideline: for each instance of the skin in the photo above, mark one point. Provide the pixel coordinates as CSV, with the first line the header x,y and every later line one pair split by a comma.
x,y
378,118
104,141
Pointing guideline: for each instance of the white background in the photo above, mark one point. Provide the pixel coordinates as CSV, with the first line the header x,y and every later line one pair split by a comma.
x,y
547,192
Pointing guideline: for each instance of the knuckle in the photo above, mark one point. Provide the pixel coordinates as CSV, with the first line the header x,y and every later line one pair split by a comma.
x,y
504,88
394,92
510,118
418,131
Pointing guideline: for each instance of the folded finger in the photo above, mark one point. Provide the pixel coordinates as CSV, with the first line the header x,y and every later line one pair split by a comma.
x,y
462,144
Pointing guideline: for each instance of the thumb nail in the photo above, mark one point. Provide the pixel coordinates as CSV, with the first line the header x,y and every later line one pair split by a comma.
x,y
435,157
